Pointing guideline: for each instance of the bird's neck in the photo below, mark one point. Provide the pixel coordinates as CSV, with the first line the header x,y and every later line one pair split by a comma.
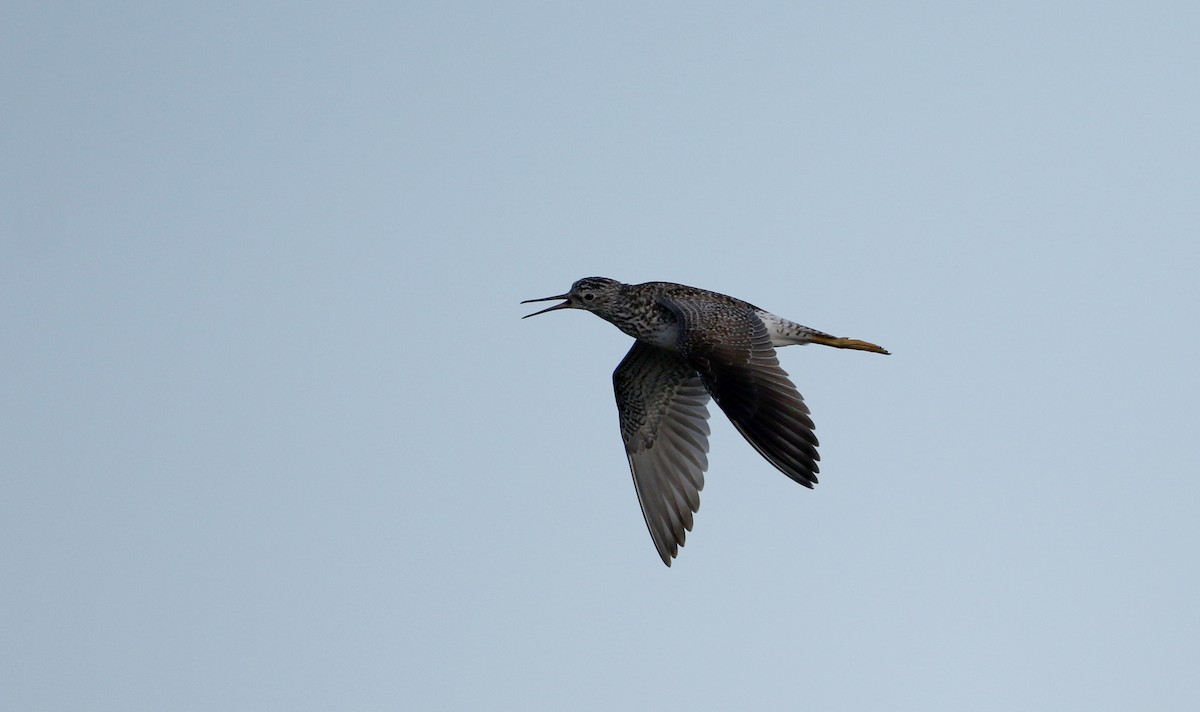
x,y
640,315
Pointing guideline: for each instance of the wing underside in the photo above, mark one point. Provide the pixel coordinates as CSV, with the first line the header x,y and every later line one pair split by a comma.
x,y
662,404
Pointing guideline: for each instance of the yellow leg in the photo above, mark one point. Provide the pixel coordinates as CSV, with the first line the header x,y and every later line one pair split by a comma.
x,y
839,343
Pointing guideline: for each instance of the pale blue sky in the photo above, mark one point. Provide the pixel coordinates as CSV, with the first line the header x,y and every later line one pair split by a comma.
x,y
273,435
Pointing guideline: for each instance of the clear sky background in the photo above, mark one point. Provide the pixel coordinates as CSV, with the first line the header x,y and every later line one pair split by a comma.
x,y
273,435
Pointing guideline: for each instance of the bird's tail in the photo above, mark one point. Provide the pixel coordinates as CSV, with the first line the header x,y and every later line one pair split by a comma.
x,y
785,333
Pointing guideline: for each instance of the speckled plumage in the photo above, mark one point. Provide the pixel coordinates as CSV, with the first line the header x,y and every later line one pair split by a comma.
x,y
692,344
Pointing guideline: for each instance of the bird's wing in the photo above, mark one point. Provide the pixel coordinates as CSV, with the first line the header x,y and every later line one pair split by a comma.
x,y
664,423
731,349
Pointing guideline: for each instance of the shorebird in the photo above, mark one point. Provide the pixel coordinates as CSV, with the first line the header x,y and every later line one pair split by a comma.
x,y
692,344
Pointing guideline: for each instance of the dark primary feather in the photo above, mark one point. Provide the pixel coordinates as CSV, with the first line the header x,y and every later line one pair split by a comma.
x,y
732,351
661,402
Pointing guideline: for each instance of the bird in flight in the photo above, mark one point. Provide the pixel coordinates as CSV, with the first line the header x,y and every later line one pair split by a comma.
x,y
692,344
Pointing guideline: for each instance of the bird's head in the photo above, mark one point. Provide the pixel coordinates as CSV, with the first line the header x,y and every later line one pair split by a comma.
x,y
594,294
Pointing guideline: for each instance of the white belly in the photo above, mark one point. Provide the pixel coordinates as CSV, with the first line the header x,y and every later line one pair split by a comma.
x,y
665,337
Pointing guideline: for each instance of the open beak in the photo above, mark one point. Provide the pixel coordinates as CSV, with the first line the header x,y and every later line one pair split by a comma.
x,y
564,305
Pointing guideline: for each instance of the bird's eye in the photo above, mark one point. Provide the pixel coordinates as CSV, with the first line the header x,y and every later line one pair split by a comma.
x,y
589,297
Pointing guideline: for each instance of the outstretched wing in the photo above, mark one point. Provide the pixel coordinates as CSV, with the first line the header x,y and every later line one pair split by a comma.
x,y
664,423
731,349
